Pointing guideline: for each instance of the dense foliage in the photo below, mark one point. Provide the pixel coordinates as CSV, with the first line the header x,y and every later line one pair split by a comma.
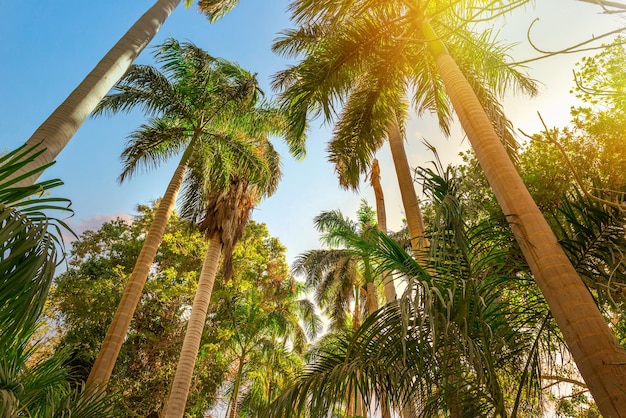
x,y
101,262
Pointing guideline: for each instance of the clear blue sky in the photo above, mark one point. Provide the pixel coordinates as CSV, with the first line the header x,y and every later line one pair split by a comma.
x,y
48,47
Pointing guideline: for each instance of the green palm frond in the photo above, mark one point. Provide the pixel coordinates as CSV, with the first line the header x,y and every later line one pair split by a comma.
x,y
145,87
469,317
592,235
216,9
360,61
152,144
30,239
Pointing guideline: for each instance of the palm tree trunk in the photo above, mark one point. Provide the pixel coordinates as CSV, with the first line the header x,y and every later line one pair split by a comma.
x,y
386,277
107,356
381,218
356,315
410,202
600,359
62,124
189,352
233,400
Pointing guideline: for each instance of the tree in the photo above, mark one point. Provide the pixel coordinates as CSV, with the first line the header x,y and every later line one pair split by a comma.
x,y
361,67
30,238
265,321
101,261
219,197
593,346
339,275
455,341
197,100
100,264
56,131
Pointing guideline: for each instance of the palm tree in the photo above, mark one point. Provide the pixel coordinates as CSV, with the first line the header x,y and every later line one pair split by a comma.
x,y
219,199
381,219
57,130
197,100
367,70
433,27
267,320
339,274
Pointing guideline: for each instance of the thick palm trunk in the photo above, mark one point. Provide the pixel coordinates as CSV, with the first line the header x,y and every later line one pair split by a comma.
x,y
600,360
107,356
62,124
381,218
410,202
189,352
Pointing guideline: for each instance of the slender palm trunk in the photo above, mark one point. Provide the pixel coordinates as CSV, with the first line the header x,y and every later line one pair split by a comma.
x,y
189,352
410,202
387,278
62,124
381,218
107,356
233,399
600,359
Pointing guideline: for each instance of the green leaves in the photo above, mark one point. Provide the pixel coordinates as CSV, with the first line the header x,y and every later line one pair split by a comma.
x,y
28,250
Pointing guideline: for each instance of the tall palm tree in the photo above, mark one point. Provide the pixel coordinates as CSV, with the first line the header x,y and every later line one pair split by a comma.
x,y
196,100
339,275
219,198
433,27
57,130
366,68
381,219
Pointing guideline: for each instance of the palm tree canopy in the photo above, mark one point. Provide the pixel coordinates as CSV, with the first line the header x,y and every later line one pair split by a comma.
x,y
361,59
194,94
216,9
465,324
334,273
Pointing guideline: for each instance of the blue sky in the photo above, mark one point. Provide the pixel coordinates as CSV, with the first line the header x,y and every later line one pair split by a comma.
x,y
48,47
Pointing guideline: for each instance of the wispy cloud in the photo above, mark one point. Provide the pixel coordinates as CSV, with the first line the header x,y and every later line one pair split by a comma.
x,y
80,225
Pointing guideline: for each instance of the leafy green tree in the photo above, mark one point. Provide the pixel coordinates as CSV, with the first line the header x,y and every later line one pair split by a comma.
x,y
196,101
101,262
257,313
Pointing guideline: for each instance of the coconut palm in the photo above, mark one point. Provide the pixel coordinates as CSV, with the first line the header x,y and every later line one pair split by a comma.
x,y
433,27
219,197
57,130
367,67
196,100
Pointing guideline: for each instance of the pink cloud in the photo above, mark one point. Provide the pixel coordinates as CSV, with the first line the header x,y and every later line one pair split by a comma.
x,y
81,225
